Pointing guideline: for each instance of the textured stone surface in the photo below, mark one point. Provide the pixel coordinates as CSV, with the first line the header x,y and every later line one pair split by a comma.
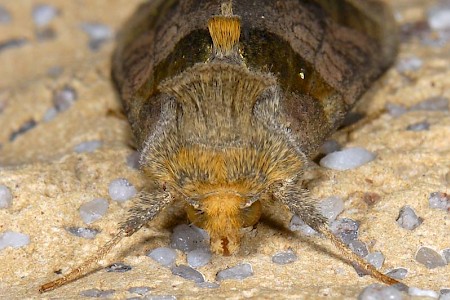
x,y
50,181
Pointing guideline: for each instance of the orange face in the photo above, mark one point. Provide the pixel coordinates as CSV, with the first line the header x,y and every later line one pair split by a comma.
x,y
223,215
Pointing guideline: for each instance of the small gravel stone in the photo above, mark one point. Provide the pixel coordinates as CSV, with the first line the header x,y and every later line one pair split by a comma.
x,y
208,285
43,14
376,259
395,110
88,147
93,210
284,257
27,126
98,34
398,273
331,207
5,197
371,198
240,272
13,239
408,219
96,293
444,294
45,34
198,257
346,229
416,292
140,290
409,64
118,268
439,17
446,255
420,126
297,224
50,114
359,248
84,232
121,190
164,256
439,200
13,43
430,258
187,238
160,297
55,71
347,159
437,103
380,292
133,160
188,273
63,99
5,16
330,146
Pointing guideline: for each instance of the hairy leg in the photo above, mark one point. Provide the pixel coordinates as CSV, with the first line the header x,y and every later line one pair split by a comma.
x,y
300,203
147,208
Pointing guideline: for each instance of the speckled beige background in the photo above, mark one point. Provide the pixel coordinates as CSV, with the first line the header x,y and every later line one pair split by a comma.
x,y
49,181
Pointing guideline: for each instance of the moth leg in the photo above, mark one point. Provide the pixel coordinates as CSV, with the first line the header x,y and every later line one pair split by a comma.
x,y
147,208
300,203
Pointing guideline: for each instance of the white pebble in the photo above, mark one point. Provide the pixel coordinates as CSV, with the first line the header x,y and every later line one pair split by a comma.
x,y
379,292
133,160
43,14
347,159
198,257
87,233
330,146
5,197
409,64
5,16
331,207
64,98
284,257
121,190
359,248
439,17
346,229
416,292
208,285
240,272
446,255
13,239
437,103
160,297
430,258
444,294
297,224
141,290
97,31
398,273
376,259
439,200
50,114
408,219
93,210
96,293
188,273
164,256
395,110
187,238
90,146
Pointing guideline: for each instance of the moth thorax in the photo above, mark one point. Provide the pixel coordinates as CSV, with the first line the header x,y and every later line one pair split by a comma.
x,y
222,216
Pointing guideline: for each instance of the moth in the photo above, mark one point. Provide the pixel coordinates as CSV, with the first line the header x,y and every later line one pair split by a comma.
x,y
229,103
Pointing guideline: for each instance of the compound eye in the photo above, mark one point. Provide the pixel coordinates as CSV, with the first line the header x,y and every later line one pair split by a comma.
x,y
250,215
195,215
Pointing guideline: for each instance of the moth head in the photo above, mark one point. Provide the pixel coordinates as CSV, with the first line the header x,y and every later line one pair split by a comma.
x,y
223,215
